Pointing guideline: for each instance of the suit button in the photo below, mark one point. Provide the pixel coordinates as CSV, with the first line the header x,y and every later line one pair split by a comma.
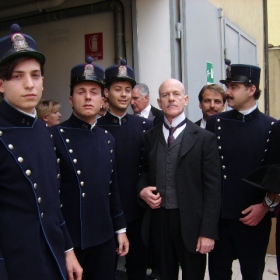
x,y
39,199
82,183
42,215
83,194
225,176
28,172
10,146
35,186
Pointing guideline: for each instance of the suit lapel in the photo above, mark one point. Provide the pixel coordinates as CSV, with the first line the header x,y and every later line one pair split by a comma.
x,y
189,139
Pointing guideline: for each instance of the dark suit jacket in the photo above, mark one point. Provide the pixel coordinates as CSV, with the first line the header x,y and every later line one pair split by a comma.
x,y
198,122
155,115
198,182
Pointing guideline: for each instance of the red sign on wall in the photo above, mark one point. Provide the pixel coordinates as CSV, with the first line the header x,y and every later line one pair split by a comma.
x,y
94,45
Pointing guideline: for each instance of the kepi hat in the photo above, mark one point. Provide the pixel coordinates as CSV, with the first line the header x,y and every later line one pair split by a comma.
x,y
121,72
87,72
243,73
18,45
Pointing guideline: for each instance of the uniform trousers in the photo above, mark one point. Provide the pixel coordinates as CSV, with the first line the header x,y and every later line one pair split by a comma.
x,y
137,257
243,242
170,250
98,262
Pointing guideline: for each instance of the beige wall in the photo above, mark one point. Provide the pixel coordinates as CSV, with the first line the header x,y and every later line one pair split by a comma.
x,y
274,82
273,8
248,16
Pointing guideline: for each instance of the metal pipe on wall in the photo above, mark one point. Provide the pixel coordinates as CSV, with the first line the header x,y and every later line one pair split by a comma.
x,y
115,6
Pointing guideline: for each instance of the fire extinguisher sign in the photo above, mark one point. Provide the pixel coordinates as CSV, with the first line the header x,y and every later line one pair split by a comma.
x,y
94,45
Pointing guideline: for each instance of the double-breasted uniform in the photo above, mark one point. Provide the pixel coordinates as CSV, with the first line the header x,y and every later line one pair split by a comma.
x,y
128,133
89,194
33,233
242,143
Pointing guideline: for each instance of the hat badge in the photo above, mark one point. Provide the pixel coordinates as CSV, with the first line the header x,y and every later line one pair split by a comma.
x,y
122,69
19,42
89,68
229,72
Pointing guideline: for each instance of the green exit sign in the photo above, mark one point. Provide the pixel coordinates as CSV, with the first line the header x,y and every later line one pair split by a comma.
x,y
209,73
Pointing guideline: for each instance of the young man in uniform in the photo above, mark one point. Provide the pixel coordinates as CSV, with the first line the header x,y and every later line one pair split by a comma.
x,y
127,131
243,135
89,191
34,241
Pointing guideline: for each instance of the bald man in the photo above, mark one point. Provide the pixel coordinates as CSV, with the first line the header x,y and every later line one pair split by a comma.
x,y
180,188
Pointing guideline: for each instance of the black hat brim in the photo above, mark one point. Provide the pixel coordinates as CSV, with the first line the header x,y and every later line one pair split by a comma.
x,y
266,177
109,81
32,54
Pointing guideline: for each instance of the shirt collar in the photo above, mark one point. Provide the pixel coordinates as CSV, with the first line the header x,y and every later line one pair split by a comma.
x,y
248,111
145,113
176,120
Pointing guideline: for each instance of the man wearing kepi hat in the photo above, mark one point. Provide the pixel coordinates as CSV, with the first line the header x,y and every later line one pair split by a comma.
x,y
127,131
34,241
272,183
89,193
242,138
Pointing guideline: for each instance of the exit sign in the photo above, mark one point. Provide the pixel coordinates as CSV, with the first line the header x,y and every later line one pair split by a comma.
x,y
209,73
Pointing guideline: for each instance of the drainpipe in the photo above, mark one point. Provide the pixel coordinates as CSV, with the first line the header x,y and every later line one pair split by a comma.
x,y
266,66
37,6
105,6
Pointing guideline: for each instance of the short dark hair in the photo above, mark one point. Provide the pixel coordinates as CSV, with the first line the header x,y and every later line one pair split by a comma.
x,y
7,68
257,93
215,88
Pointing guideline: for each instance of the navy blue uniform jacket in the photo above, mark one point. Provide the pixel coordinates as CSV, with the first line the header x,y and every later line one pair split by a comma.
x,y
242,142
89,192
33,234
128,155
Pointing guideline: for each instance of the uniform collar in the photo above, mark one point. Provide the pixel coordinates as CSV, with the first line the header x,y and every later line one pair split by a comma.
x,y
17,117
245,118
76,122
116,119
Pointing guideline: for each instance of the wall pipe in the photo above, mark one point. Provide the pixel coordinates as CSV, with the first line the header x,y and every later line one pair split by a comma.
x,y
37,6
110,5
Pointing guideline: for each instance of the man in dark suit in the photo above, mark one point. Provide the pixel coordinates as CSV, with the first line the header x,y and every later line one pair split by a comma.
x,y
127,131
34,241
243,136
212,99
140,103
180,187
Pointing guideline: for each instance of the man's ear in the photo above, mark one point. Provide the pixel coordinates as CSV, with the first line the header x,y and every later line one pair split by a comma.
x,y
159,103
2,86
71,100
106,92
252,90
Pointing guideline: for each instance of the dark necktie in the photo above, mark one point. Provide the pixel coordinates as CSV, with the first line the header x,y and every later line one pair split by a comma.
x,y
171,129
